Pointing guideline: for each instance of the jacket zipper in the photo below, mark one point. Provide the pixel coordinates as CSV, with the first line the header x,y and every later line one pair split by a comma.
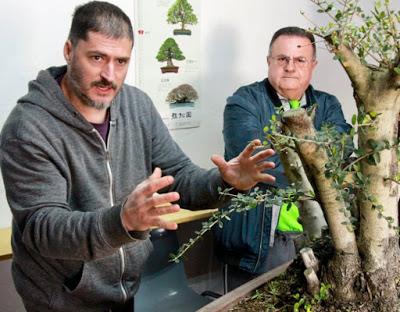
x,y
121,249
261,240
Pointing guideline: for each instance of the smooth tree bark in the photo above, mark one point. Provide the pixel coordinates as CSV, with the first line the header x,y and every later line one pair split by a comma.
x,y
377,91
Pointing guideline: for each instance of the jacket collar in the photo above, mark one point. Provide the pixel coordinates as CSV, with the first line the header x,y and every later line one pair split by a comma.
x,y
277,102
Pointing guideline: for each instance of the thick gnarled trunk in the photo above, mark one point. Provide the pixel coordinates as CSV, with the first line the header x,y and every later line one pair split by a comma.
x,y
344,240
377,91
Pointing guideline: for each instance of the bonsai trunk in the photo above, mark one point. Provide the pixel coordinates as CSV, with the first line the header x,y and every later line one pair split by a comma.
x,y
378,240
377,91
311,214
169,63
346,264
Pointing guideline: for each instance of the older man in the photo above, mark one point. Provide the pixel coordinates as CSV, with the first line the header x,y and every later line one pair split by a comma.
x,y
247,243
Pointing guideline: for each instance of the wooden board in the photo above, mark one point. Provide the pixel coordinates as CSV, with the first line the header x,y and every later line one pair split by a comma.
x,y
184,215
5,243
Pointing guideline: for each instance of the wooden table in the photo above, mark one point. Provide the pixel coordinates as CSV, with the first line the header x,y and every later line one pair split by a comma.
x,y
5,243
181,216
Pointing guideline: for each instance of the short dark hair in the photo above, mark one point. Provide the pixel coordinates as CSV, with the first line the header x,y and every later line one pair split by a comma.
x,y
101,17
295,32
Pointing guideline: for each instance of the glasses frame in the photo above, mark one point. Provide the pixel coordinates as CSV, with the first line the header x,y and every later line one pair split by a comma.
x,y
298,61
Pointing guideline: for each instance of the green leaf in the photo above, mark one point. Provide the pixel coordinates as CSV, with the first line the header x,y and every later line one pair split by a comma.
x,y
377,158
373,114
354,119
373,144
397,70
329,7
360,176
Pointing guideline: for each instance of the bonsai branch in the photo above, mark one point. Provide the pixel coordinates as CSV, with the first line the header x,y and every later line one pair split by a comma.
x,y
241,203
358,73
296,139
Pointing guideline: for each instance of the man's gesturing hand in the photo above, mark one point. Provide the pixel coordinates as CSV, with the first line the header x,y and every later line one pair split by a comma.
x,y
246,170
144,205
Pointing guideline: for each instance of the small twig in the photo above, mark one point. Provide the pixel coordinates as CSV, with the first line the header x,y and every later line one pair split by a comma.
x,y
367,155
317,3
394,29
300,140
358,160
310,20
342,25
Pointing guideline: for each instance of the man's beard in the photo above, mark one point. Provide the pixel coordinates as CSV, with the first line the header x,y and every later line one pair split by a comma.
x,y
74,79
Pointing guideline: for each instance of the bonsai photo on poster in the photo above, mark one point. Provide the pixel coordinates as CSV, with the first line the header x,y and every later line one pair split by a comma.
x,y
181,12
182,96
169,51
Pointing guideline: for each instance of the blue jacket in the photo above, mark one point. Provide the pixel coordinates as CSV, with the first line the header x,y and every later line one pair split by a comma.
x,y
244,241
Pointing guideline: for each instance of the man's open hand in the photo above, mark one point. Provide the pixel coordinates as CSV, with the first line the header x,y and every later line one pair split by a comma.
x,y
246,170
144,205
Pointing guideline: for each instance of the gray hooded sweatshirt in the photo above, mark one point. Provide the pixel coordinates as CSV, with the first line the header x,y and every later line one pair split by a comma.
x,y
66,186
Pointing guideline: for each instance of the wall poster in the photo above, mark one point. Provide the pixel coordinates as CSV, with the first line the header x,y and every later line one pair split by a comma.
x,y
167,60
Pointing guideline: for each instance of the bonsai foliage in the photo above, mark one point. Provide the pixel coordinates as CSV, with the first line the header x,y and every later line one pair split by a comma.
x,y
181,12
184,93
169,50
372,39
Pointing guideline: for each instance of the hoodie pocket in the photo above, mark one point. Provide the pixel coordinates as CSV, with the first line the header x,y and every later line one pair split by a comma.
x,y
100,280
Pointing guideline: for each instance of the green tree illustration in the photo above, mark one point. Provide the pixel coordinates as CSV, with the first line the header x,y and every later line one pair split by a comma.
x,y
169,50
181,12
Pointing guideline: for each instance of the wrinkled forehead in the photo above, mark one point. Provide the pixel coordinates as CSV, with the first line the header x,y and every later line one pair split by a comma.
x,y
292,46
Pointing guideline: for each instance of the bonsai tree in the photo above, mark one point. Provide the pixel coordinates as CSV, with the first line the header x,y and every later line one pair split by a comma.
x,y
184,93
359,196
169,50
181,12
368,48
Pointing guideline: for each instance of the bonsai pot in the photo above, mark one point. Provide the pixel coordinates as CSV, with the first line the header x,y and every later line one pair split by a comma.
x,y
186,32
169,69
181,104
232,298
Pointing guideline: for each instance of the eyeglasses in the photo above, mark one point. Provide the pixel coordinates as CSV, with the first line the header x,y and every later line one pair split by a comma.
x,y
283,60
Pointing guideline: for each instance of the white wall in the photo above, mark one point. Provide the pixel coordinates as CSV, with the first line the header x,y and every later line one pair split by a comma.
x,y
235,36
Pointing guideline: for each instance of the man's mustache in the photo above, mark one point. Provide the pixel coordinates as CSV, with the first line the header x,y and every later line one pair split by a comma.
x,y
103,84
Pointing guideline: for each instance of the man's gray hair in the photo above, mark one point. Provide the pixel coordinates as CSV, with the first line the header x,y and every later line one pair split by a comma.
x,y
101,17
